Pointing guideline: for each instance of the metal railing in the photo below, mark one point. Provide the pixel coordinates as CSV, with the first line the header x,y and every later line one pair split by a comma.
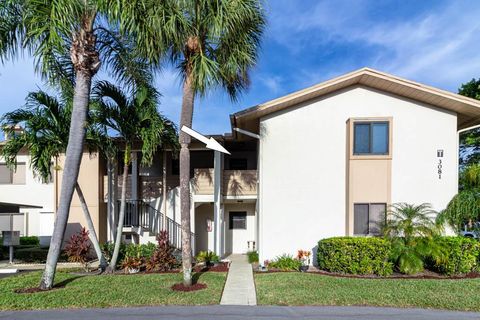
x,y
139,214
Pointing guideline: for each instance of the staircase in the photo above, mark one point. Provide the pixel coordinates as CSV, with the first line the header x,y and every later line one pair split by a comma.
x,y
144,217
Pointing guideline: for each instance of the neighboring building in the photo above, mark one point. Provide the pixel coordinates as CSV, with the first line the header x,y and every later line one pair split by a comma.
x,y
23,188
321,162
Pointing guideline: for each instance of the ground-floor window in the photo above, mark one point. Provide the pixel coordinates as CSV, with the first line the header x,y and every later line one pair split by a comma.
x,y
238,220
367,218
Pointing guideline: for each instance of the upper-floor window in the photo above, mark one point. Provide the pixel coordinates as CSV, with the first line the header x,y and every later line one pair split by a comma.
x,y
8,176
371,138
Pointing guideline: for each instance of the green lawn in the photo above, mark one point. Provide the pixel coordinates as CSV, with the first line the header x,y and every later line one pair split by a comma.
x,y
108,291
311,289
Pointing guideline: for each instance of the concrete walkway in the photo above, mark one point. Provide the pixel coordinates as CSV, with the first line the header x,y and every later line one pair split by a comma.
x,y
240,288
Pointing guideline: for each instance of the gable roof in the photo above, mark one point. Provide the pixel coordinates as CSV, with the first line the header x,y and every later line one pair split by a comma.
x,y
467,109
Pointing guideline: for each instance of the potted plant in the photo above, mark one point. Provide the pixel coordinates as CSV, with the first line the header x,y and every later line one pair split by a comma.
x,y
304,257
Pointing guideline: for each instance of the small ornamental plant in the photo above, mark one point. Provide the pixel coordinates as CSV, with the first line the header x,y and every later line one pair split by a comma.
x,y
78,248
162,258
132,264
304,256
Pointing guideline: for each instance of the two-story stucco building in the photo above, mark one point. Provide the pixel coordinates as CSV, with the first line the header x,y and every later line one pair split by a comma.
x,y
324,161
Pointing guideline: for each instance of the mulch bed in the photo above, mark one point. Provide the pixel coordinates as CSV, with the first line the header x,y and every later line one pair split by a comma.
x,y
221,267
193,287
424,275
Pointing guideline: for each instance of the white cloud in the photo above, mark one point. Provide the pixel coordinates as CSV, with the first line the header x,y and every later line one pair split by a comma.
x,y
439,47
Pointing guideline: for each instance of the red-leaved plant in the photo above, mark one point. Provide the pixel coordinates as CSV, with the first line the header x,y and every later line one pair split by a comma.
x,y
162,258
78,248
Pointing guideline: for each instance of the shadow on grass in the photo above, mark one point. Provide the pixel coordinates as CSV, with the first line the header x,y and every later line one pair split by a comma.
x,y
57,286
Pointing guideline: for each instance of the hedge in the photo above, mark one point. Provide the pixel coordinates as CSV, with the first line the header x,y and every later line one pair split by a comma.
x,y
461,256
35,254
351,255
26,241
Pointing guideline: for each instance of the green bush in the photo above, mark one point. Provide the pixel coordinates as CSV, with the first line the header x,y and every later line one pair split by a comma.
x,y
29,241
129,250
285,262
35,254
208,257
26,241
252,256
461,255
351,255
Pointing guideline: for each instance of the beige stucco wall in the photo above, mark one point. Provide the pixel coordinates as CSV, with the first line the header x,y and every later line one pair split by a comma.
x,y
91,181
302,164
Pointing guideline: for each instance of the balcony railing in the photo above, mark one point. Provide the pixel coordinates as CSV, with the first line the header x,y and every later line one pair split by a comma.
x,y
235,182
139,214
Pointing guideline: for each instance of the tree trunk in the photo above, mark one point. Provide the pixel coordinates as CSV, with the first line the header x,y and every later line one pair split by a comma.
x,y
91,228
86,63
118,239
73,158
186,120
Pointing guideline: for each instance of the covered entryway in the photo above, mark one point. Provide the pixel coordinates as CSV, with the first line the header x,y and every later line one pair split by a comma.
x,y
240,227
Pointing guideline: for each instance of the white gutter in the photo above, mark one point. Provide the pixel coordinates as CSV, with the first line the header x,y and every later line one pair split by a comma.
x,y
469,128
247,133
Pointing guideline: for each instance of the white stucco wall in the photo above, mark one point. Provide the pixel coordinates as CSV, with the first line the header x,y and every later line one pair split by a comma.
x,y
33,192
236,240
302,169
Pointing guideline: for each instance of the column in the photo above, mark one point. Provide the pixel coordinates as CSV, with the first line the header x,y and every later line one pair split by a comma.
x,y
217,198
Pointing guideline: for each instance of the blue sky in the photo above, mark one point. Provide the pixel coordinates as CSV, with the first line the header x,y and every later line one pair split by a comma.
x,y
309,41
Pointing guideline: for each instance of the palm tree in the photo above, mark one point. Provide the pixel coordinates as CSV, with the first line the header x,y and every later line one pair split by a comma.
x,y
411,229
52,30
212,44
45,122
133,119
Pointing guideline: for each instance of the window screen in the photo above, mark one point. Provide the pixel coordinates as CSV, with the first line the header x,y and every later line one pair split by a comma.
x,y
238,220
371,138
5,174
367,218
376,217
360,219
19,176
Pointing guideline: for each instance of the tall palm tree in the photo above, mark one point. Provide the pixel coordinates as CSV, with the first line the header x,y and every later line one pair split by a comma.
x,y
132,119
51,30
45,122
212,44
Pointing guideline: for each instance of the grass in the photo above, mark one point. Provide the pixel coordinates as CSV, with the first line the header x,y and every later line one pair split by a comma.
x,y
108,291
311,289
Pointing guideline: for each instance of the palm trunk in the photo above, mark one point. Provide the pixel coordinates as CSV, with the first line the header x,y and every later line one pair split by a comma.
x,y
121,216
91,228
73,158
186,120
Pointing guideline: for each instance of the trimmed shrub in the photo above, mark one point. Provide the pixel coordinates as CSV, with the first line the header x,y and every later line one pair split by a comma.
x,y
36,254
461,255
29,241
350,255
285,262
252,256
26,241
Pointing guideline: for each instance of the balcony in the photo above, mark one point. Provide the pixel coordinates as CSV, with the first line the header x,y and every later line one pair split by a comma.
x,y
235,182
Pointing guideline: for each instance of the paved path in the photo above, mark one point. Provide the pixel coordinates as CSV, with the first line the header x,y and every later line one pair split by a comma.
x,y
240,287
242,312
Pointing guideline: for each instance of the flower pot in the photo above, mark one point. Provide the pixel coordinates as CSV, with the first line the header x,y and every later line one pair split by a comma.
x,y
304,268
133,270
